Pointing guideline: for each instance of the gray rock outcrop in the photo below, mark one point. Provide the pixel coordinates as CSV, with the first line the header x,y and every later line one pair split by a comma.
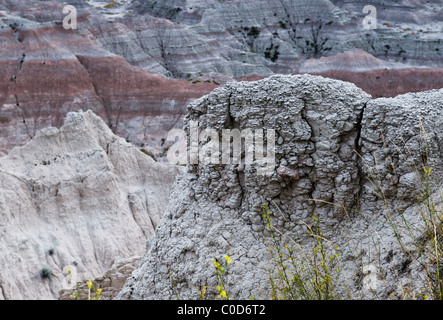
x,y
77,196
329,145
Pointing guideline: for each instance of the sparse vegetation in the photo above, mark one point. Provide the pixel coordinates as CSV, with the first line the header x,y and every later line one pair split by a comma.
x,y
45,273
174,287
426,246
81,293
111,4
310,272
317,43
148,153
220,270
272,52
91,294
254,32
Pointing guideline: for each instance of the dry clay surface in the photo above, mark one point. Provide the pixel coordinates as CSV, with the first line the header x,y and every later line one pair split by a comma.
x,y
330,139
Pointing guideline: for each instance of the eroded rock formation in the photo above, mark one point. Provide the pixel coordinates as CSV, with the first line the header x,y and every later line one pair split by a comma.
x,y
336,142
77,196
47,71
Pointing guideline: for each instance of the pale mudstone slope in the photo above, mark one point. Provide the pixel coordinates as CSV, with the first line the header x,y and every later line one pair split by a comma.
x,y
78,196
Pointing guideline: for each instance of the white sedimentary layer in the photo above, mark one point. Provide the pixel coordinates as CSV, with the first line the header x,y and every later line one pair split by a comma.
x,y
77,196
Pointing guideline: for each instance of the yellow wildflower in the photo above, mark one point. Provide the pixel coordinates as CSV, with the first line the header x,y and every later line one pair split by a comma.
x,y
202,294
427,170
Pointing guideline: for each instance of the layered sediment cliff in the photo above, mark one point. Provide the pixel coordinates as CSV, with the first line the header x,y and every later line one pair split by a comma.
x,y
122,59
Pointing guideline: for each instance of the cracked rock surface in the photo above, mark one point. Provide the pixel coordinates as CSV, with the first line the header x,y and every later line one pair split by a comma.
x,y
327,132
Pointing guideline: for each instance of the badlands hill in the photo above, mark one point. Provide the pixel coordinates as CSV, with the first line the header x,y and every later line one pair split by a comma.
x,y
80,197
77,197
137,64
336,149
81,193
